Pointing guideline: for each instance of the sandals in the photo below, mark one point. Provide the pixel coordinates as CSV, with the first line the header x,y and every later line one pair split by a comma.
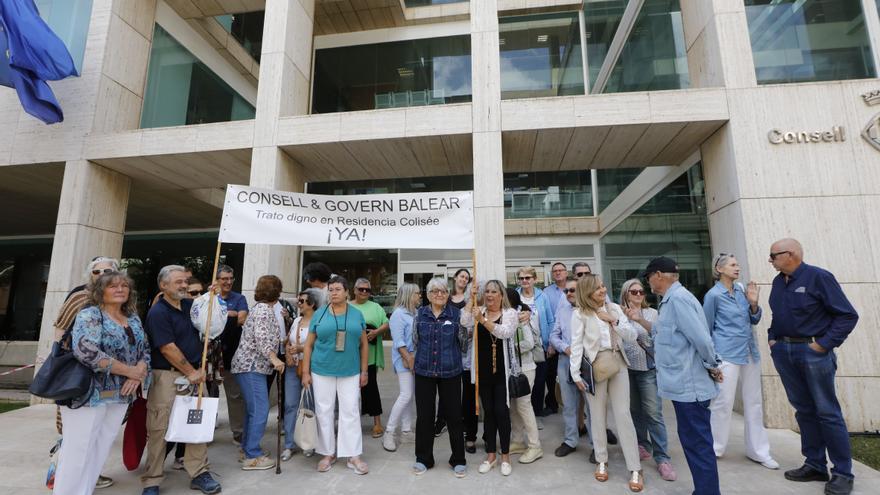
x,y
601,472
357,465
326,463
636,482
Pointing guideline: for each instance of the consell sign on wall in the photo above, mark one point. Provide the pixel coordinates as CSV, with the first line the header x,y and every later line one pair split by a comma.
x,y
835,135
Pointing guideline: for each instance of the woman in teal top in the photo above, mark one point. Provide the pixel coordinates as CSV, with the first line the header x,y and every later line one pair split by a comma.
x,y
335,361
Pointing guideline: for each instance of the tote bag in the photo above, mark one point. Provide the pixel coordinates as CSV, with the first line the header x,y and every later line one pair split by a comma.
x,y
188,424
305,433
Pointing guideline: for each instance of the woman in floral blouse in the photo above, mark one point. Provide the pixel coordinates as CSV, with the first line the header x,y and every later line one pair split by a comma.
x,y
256,357
108,338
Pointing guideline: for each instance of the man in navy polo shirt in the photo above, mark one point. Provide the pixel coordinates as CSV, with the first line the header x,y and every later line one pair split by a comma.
x,y
811,316
237,307
176,352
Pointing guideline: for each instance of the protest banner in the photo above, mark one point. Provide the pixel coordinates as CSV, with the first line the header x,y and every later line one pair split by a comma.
x,y
434,220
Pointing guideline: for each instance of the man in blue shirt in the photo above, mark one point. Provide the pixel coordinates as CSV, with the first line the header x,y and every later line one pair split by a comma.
x,y
236,316
176,352
687,369
811,316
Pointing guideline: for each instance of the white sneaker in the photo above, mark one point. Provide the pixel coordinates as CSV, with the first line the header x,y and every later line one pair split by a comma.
x,y
388,442
770,463
407,437
531,455
506,469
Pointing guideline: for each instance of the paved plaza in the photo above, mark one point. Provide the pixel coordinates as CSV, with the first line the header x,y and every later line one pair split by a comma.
x,y
28,433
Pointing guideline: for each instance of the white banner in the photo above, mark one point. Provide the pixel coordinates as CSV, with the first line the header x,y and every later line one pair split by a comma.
x,y
438,220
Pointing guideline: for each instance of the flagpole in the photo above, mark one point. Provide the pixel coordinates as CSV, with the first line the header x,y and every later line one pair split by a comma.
x,y
208,324
476,347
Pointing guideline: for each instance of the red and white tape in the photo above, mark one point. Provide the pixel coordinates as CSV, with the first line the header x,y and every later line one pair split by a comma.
x,y
16,369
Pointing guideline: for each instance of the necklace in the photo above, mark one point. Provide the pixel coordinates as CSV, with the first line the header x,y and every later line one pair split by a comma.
x,y
344,320
494,347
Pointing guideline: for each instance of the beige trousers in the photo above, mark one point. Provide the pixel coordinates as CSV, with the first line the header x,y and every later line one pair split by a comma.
x,y
159,402
523,427
614,391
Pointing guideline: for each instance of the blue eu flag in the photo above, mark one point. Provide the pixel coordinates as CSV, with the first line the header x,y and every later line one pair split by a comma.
x,y
30,55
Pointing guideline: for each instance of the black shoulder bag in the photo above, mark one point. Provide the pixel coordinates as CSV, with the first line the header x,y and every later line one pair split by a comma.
x,y
63,378
518,384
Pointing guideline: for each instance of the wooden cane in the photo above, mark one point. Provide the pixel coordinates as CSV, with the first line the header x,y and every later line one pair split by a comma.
x,y
279,380
208,324
476,347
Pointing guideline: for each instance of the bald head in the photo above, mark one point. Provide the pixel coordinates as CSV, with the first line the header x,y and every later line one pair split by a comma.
x,y
786,255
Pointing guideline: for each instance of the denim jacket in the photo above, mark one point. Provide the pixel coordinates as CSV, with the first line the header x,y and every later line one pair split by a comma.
x,y
438,342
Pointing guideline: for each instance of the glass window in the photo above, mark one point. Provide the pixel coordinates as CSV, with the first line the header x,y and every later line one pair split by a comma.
x,y
379,266
541,56
653,57
24,274
422,3
673,223
69,19
247,29
808,40
390,75
612,181
181,90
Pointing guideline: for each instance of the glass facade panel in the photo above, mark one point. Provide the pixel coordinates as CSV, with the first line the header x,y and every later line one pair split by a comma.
x,y
181,90
808,40
391,75
24,274
69,19
379,266
673,223
612,181
541,56
423,3
247,29
653,57
526,195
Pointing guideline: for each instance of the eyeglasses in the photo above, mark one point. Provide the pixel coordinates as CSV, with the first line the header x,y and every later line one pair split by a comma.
x,y
364,289
636,292
437,292
527,277
581,274
226,279
780,253
105,270
194,292
569,291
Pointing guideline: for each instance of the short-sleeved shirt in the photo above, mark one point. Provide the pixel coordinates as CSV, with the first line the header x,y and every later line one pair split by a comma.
x,y
169,325
375,317
232,333
326,360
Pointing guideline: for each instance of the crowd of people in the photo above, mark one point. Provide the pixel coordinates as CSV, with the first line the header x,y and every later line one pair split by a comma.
x,y
613,364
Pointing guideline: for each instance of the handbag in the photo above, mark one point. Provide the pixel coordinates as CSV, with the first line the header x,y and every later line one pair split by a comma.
x,y
604,366
586,373
63,378
189,424
518,384
305,433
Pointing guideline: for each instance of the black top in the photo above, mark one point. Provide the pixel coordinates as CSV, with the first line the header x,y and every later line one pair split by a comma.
x,y
167,324
484,343
459,305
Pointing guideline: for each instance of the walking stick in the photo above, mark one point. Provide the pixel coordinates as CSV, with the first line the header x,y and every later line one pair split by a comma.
x,y
278,381
476,347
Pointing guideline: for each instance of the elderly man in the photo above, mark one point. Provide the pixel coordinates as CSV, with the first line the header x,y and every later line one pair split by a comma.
x,y
176,352
237,307
687,369
811,317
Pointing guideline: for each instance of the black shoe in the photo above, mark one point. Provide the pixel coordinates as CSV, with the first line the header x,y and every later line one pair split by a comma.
x,y
564,449
470,447
839,486
806,473
582,431
593,457
612,438
439,428
549,411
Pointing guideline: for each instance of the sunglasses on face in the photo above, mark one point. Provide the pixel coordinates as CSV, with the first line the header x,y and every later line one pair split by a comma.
x,y
194,292
780,253
105,270
302,301
525,278
569,291
581,274
636,292
364,289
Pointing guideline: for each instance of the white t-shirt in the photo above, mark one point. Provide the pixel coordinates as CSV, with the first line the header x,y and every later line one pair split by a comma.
x,y
303,333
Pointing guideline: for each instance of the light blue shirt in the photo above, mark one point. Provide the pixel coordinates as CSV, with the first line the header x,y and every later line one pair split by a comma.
x,y
560,337
401,334
683,349
555,296
545,314
730,323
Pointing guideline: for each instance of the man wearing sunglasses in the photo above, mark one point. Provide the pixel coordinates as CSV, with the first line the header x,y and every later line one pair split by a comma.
x,y
811,317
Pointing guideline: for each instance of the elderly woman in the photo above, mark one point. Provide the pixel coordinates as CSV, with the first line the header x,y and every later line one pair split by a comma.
x,y
408,298
527,277
731,311
523,427
377,324
597,328
255,359
335,360
494,356
644,402
307,302
108,338
438,341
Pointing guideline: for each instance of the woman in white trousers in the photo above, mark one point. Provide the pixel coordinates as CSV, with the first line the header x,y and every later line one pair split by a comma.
x,y
401,326
731,310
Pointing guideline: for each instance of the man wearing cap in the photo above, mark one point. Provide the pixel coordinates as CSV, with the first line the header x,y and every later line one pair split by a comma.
x,y
687,369
811,316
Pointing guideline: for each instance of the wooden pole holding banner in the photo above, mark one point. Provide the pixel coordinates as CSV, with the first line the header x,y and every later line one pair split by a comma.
x,y
208,325
476,347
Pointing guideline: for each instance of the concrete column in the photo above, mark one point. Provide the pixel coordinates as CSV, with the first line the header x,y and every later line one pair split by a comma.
x,y
488,171
284,89
719,51
91,222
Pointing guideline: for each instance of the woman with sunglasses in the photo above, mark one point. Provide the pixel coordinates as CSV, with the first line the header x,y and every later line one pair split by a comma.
x,y
644,402
108,338
731,310
534,297
307,303
377,325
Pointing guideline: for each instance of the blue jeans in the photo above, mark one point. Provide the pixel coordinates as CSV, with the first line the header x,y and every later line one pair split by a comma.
x,y
808,378
570,399
292,390
695,436
255,392
646,409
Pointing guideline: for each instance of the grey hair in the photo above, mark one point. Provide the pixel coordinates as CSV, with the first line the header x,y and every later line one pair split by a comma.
x,y
114,264
224,269
315,297
437,283
720,260
362,280
624,290
166,272
404,297
579,264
